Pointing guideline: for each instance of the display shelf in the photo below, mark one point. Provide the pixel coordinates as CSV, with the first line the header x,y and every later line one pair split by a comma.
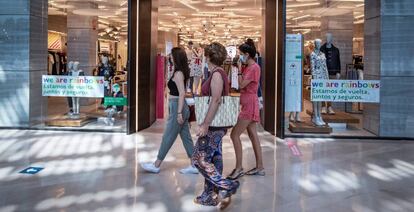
x,y
339,117
66,121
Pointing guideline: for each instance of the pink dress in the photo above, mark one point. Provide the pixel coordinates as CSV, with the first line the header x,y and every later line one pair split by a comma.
x,y
249,100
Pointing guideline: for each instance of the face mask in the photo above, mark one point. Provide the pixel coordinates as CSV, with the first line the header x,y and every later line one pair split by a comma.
x,y
243,58
206,64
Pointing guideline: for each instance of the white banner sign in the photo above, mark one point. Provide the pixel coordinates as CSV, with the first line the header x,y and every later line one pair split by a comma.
x,y
67,86
293,67
346,91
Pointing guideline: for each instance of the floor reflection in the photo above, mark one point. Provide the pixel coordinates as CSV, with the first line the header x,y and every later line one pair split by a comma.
x,y
100,172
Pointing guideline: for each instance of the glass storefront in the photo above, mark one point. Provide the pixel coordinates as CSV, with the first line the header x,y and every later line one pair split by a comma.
x,y
347,69
337,82
87,46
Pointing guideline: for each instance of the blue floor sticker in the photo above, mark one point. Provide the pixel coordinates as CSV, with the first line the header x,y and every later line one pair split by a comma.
x,y
31,170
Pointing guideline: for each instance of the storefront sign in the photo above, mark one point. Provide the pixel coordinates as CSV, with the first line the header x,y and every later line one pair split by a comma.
x,y
115,101
346,91
66,86
293,67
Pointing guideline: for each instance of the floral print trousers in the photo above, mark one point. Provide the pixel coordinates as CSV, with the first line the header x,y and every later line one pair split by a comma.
x,y
207,158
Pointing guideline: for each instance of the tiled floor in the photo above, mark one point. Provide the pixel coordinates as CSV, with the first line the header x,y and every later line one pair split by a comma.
x,y
99,172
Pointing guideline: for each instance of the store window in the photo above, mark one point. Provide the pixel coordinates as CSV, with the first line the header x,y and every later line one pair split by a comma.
x,y
327,91
86,81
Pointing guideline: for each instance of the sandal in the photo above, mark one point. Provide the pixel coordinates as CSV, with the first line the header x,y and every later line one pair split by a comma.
x,y
225,195
234,175
255,171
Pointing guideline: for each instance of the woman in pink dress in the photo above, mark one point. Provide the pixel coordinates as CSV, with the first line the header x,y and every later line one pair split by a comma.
x,y
249,114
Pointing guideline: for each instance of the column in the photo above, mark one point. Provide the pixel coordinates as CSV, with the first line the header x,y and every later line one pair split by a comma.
x,y
83,37
389,33
342,29
147,54
82,40
23,61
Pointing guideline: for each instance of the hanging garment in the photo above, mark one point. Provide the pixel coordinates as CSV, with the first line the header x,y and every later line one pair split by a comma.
x,y
318,66
58,64
333,59
234,78
51,63
196,64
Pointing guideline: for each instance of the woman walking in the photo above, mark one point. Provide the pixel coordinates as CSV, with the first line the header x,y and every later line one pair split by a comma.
x,y
207,155
179,113
249,115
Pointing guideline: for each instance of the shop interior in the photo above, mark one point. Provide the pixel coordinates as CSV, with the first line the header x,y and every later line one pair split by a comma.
x,y
88,38
340,26
201,22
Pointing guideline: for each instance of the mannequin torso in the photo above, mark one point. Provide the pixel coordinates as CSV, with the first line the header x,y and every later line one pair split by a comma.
x,y
318,65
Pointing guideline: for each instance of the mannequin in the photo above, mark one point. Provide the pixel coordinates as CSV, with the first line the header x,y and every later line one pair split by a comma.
x,y
106,71
196,69
333,62
112,110
319,71
76,72
70,103
295,117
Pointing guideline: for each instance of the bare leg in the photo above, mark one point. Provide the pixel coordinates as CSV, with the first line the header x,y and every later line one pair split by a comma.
x,y
240,127
252,131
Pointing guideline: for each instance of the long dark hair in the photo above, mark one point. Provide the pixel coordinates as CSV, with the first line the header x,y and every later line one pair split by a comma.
x,y
181,62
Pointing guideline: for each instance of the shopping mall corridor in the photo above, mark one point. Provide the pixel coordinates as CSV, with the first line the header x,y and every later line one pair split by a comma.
x,y
100,172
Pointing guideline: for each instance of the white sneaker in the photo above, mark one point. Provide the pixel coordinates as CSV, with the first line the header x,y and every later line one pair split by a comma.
x,y
291,118
189,170
150,167
318,122
321,122
315,121
298,119
324,110
331,111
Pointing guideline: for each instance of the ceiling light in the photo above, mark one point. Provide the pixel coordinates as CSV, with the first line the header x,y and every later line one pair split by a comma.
x,y
345,7
300,17
123,3
203,15
103,22
360,16
303,5
234,9
359,22
185,3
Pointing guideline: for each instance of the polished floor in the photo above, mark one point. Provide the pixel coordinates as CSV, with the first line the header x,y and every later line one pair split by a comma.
x,y
100,172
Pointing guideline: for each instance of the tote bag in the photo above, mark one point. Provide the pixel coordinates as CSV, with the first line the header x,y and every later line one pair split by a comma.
x,y
227,113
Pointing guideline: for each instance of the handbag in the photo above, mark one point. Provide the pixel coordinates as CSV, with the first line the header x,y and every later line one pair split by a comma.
x,y
226,115
192,114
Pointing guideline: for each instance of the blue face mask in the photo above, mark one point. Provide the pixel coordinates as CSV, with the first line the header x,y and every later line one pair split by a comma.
x,y
206,64
243,59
